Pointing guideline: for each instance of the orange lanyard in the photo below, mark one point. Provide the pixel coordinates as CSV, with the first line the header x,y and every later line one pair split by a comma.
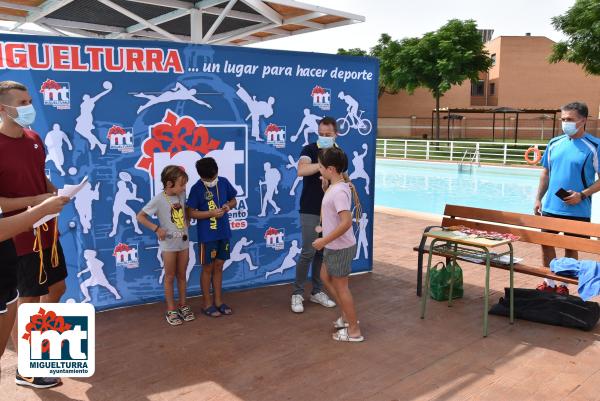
x,y
39,248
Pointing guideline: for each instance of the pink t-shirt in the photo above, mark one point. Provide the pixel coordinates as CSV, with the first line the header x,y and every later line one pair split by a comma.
x,y
338,197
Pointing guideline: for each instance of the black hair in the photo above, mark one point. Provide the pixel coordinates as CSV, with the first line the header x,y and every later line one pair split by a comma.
x,y
580,107
207,168
329,121
334,157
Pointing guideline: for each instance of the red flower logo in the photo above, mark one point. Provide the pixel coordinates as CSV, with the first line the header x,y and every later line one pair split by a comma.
x,y
317,90
115,130
271,231
272,128
121,248
44,321
175,134
50,84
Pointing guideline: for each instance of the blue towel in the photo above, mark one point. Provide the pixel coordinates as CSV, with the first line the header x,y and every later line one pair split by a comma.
x,y
587,271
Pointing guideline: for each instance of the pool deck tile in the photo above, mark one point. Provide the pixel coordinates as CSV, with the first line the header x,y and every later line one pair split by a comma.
x,y
264,352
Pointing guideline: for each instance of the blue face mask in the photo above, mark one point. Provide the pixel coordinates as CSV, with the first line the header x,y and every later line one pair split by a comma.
x,y
325,142
569,127
25,115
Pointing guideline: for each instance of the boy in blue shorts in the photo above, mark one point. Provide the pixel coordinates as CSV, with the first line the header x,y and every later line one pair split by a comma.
x,y
209,202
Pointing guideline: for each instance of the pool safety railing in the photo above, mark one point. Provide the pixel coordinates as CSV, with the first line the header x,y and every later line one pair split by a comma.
x,y
455,151
468,161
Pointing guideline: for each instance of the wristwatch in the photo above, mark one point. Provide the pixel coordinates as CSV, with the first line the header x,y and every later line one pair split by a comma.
x,y
583,196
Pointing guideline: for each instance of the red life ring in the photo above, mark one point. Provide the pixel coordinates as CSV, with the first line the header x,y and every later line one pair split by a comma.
x,y
537,155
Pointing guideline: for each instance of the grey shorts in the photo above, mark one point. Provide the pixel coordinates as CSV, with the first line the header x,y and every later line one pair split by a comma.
x,y
339,261
174,244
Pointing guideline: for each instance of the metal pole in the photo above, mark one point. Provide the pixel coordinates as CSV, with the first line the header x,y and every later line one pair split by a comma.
x,y
432,123
542,138
554,125
493,126
517,128
448,123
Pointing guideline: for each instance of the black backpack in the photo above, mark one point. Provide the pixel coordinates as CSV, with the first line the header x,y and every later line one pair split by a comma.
x,y
549,308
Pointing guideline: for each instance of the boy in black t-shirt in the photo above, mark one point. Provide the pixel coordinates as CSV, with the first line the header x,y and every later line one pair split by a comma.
x,y
310,215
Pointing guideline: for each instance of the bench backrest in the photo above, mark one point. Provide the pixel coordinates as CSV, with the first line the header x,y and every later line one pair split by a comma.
x,y
527,227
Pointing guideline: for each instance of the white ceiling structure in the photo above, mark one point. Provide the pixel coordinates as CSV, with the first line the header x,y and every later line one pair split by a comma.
x,y
222,22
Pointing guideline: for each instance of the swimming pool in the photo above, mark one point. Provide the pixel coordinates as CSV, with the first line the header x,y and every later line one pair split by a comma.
x,y
428,187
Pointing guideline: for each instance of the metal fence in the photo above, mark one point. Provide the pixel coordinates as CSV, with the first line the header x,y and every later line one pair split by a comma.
x,y
474,129
485,152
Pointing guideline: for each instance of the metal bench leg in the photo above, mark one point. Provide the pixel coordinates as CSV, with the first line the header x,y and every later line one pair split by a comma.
x,y
419,272
426,295
512,286
420,259
451,282
486,294
451,262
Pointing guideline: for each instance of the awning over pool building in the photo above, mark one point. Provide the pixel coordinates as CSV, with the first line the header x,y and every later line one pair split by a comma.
x,y
452,114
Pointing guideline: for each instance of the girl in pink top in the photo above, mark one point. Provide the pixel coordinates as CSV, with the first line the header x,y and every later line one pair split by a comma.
x,y
338,241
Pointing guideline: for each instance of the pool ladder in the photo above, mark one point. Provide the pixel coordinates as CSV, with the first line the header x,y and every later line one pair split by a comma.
x,y
468,160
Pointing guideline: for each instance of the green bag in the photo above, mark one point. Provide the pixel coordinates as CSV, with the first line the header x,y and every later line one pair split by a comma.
x,y
439,282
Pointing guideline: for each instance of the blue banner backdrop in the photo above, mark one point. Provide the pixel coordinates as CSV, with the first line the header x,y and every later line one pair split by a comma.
x,y
119,111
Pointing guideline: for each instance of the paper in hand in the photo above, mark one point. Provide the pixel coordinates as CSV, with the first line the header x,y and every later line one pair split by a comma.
x,y
68,191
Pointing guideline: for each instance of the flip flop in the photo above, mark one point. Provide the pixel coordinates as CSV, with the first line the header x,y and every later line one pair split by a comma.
x,y
225,310
211,311
340,323
342,335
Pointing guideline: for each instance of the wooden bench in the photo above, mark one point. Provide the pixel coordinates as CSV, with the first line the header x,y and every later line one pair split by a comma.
x,y
527,227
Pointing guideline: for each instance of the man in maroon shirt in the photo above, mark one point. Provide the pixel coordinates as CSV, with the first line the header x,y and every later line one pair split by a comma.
x,y
23,183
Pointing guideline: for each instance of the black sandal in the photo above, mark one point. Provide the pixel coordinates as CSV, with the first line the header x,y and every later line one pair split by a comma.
x,y
225,310
211,311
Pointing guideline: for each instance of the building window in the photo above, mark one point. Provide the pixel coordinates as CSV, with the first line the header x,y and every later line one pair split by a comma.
x,y
478,88
493,57
492,89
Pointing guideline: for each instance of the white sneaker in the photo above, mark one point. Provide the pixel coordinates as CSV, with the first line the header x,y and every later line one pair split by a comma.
x,y
297,306
323,299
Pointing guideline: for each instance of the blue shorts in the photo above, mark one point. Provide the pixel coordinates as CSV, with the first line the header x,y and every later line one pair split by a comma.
x,y
212,250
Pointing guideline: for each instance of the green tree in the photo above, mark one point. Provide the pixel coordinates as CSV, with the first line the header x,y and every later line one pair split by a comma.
x,y
581,25
383,50
438,60
352,52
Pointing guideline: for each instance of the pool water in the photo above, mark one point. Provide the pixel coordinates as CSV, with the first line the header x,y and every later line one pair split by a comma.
x,y
428,187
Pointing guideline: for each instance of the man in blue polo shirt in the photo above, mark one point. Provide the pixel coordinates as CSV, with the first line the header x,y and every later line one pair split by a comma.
x,y
570,162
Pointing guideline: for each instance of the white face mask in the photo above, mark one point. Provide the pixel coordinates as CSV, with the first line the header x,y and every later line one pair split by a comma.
x,y
25,115
569,127
211,184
